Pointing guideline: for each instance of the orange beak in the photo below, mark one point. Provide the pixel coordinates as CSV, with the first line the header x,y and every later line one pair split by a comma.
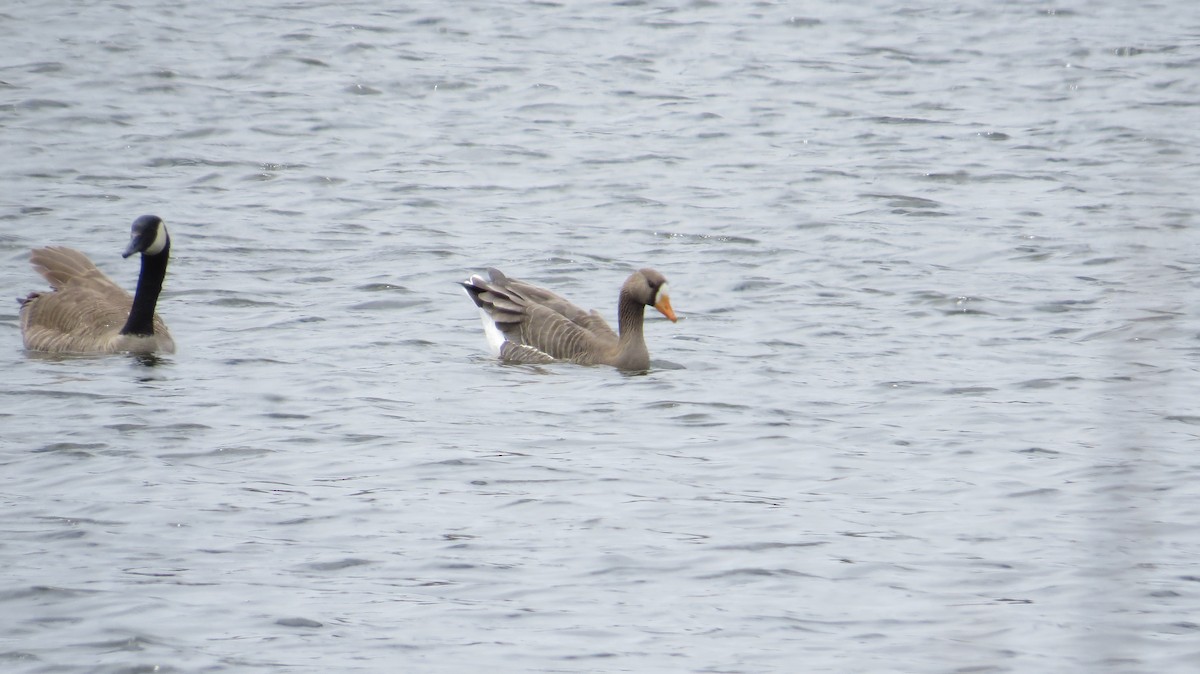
x,y
664,306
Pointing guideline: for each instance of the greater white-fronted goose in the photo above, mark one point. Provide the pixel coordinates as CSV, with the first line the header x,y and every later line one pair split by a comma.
x,y
86,312
528,324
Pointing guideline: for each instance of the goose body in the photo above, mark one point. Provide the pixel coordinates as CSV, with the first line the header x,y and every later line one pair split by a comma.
x,y
528,324
86,312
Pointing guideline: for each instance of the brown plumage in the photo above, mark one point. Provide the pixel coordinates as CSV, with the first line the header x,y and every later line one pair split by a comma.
x,y
86,312
528,324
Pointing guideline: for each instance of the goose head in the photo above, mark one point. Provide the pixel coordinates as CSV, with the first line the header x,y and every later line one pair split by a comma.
x,y
147,236
648,287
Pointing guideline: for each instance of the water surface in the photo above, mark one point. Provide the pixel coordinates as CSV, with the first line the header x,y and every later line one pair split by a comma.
x,y
930,406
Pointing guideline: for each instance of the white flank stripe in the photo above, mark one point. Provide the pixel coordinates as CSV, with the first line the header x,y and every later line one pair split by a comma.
x,y
495,338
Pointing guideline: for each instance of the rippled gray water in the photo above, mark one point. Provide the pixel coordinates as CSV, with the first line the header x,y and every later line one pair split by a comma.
x,y
931,405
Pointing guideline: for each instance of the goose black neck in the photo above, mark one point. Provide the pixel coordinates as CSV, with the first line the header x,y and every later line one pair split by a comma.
x,y
150,282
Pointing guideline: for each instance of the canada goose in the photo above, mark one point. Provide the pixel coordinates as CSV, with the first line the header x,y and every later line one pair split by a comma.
x,y
87,312
528,324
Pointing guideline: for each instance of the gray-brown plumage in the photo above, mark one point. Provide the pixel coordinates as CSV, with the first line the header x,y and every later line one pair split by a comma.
x,y
528,324
86,312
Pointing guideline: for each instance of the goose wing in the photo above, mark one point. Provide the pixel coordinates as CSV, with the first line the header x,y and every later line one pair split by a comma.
x,y
62,267
538,325
85,305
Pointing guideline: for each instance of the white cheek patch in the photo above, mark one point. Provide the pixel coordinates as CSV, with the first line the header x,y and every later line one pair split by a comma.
x,y
160,240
